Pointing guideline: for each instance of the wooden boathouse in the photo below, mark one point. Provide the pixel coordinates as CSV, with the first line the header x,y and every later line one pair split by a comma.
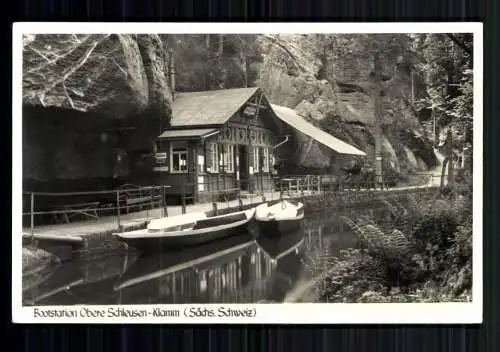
x,y
229,140
217,140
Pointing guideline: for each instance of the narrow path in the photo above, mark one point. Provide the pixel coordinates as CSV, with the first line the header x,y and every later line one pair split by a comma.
x,y
436,172
110,223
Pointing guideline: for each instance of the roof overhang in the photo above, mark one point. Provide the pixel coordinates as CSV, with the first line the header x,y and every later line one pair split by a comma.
x,y
299,123
189,134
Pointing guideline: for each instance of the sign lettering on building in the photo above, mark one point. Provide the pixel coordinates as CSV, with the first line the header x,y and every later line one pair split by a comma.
x,y
250,111
160,158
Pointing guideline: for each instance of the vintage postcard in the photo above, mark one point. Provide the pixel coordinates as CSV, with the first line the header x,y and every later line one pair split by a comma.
x,y
247,173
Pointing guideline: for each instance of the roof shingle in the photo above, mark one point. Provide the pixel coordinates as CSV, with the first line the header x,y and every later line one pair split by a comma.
x,y
214,107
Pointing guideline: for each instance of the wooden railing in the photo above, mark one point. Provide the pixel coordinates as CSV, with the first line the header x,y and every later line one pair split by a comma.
x,y
301,184
92,204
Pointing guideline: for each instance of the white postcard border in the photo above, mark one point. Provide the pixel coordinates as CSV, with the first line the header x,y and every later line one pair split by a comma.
x,y
286,313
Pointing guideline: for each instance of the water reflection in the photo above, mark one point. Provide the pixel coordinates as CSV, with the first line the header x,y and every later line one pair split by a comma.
x,y
238,269
80,282
235,270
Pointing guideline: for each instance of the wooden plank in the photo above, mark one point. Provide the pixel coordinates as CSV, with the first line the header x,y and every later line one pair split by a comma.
x,y
70,239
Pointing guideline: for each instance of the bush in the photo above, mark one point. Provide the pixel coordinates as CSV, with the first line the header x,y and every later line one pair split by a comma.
x,y
429,259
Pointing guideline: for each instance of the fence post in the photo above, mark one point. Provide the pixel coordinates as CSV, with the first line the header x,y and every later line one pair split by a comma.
x,y
151,200
164,202
183,200
240,201
214,204
32,215
118,208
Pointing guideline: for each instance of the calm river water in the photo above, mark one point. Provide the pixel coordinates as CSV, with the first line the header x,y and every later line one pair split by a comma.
x,y
235,270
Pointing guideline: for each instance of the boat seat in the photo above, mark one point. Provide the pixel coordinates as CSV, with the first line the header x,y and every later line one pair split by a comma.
x,y
213,222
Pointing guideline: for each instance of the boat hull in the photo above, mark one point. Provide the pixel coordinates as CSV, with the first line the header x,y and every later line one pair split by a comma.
x,y
160,243
279,219
276,228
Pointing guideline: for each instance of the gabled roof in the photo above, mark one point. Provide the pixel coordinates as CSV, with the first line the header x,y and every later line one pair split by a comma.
x,y
299,123
214,107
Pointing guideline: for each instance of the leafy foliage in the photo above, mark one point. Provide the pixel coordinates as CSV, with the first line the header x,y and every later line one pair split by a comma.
x,y
426,259
446,69
215,61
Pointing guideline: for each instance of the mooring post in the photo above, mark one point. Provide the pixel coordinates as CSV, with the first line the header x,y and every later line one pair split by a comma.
x,y
118,207
32,214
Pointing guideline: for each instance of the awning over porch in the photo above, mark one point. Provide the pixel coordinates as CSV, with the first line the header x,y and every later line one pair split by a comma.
x,y
193,133
294,120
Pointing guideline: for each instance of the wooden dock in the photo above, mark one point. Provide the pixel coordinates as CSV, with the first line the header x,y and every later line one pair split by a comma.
x,y
79,234
97,234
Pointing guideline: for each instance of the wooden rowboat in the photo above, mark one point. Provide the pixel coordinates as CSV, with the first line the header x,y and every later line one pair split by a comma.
x,y
187,230
278,219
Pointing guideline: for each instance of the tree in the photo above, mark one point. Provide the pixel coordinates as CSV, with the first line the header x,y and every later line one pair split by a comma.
x,y
447,67
215,61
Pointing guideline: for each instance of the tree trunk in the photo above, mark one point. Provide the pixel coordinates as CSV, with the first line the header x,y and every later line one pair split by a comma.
x,y
448,152
443,171
221,45
244,64
220,52
376,117
451,168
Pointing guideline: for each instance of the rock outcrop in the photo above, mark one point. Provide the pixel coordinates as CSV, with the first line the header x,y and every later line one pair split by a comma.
x,y
113,74
98,96
332,91
36,259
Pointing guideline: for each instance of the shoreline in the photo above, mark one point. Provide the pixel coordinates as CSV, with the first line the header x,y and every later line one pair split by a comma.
x,y
68,246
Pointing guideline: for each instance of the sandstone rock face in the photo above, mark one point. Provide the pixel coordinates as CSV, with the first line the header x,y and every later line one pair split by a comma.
x,y
98,96
334,93
116,75
36,259
411,157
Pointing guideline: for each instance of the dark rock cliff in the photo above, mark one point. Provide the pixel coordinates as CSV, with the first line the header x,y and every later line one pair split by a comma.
x,y
89,100
332,91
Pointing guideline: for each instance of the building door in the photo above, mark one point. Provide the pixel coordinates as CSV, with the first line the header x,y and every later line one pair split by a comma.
x,y
243,166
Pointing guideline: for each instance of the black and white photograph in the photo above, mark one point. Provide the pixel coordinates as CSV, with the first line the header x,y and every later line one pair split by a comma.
x,y
242,166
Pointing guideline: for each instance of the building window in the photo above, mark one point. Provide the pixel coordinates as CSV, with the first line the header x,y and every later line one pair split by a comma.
x,y
213,157
179,159
228,154
256,159
265,159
